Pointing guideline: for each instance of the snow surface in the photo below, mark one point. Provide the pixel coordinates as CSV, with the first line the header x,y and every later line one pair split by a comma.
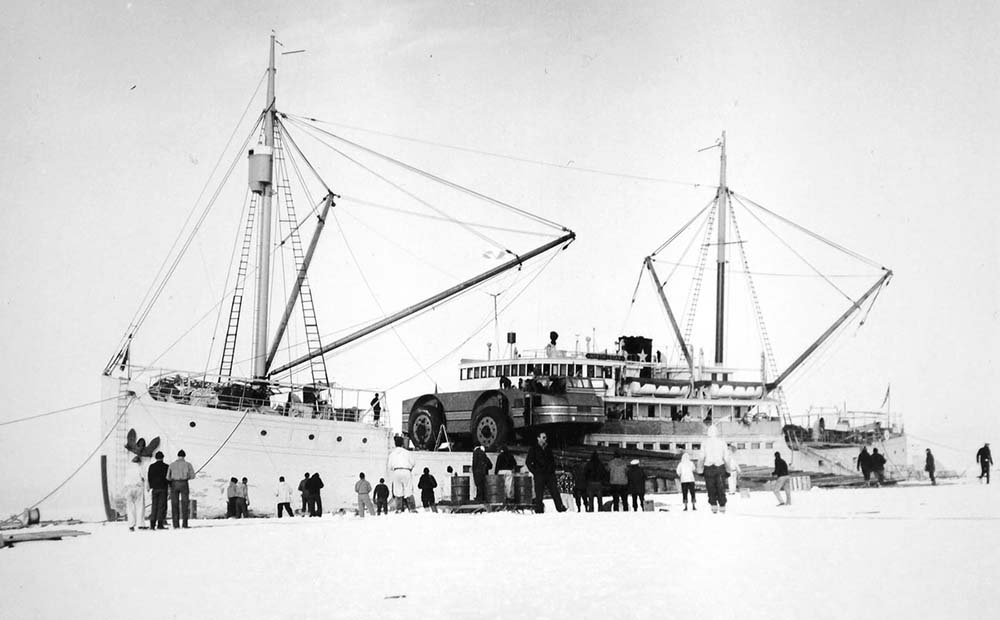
x,y
905,552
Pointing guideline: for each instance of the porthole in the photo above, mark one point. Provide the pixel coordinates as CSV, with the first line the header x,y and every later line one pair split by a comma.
x,y
311,437
192,424
263,433
365,440
339,438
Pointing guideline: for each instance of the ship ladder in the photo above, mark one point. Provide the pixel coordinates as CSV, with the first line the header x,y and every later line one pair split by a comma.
x,y
229,348
121,431
699,273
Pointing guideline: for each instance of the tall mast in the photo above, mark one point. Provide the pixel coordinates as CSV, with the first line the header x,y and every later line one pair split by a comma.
x,y
264,232
720,265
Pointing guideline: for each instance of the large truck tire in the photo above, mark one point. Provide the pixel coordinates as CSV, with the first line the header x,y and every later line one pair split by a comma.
x,y
491,428
425,425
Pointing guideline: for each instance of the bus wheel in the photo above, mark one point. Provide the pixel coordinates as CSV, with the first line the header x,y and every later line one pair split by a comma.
x,y
425,424
491,428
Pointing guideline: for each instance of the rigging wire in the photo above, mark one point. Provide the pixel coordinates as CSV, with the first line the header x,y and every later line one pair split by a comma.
x,y
224,442
441,180
808,232
623,175
793,251
48,413
133,325
684,227
420,200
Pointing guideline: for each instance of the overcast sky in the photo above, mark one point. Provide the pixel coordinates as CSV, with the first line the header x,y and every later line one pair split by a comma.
x,y
873,124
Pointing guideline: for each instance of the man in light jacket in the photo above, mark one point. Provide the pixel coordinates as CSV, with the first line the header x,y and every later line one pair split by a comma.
x,y
715,457
284,496
179,472
400,466
618,469
362,487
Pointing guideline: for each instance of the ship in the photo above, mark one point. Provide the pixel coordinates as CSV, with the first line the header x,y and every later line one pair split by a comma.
x,y
657,401
265,404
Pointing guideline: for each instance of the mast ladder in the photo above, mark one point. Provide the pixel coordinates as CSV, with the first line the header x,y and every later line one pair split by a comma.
x,y
121,455
317,364
698,276
229,348
761,325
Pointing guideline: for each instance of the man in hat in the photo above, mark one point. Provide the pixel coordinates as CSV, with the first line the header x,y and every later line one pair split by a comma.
x,y
985,459
637,485
929,466
481,465
178,474
156,479
542,465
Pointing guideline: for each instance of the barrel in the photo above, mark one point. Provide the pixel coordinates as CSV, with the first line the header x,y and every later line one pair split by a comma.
x,y
460,489
523,485
496,491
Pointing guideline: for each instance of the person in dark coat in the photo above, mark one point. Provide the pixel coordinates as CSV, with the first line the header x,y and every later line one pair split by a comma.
x,y
929,466
315,499
865,463
542,465
985,459
232,511
637,485
506,466
427,485
481,465
595,474
580,486
781,480
381,497
878,465
156,478
304,492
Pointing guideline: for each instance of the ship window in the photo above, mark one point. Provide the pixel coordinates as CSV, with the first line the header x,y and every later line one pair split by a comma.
x,y
499,370
741,446
755,445
520,371
647,446
546,369
364,440
489,372
650,411
311,437
665,446
339,438
600,444
696,446
475,372
630,446
263,433
506,369
769,445
192,424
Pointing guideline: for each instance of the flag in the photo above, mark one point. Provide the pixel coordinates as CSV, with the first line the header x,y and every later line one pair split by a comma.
x,y
886,399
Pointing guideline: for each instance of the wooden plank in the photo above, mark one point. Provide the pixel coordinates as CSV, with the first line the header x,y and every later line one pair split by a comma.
x,y
11,539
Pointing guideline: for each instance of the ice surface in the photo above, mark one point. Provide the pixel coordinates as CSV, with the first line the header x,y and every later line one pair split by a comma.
x,y
904,552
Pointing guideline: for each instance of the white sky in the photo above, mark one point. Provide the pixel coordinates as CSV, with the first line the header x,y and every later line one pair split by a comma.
x,y
873,124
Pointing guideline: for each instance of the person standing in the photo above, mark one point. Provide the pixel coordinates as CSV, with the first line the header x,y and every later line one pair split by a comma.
x,y
376,404
580,486
596,474
427,485
362,487
400,466
304,492
315,496
878,466
179,472
781,480
637,485
985,460
617,469
284,496
716,457
929,466
506,466
232,507
734,471
381,497
865,463
242,500
685,473
542,465
134,492
481,465
156,478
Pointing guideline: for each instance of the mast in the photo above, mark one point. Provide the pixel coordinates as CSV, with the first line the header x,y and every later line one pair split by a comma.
x,y
720,265
264,228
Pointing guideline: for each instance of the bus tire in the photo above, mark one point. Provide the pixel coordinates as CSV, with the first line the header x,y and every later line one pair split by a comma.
x,y
491,428
425,425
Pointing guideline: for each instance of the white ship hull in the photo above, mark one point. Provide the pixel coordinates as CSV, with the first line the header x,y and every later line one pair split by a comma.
x,y
261,448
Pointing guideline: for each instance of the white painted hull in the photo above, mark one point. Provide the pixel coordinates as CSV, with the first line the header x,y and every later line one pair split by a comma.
x,y
338,450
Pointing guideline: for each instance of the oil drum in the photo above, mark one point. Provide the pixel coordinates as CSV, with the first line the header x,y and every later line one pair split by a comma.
x,y
460,489
496,491
523,487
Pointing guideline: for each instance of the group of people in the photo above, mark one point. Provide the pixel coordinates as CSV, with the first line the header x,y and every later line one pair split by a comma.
x,y
625,479
871,463
238,499
162,481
